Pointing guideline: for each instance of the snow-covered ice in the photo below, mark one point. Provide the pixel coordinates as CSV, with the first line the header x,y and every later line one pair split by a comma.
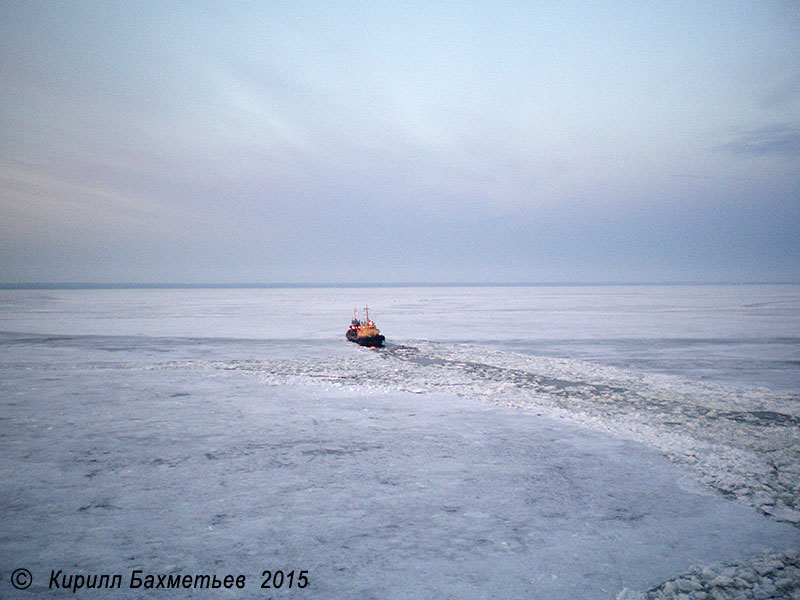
x,y
232,431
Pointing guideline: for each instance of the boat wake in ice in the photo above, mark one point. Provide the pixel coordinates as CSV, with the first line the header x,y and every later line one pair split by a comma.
x,y
745,443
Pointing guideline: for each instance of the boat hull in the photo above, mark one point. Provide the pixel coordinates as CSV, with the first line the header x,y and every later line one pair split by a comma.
x,y
367,340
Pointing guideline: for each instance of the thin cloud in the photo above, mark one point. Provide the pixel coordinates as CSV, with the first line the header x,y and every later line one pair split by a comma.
x,y
777,140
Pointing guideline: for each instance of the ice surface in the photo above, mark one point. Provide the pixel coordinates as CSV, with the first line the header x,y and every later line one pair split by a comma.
x,y
378,495
207,431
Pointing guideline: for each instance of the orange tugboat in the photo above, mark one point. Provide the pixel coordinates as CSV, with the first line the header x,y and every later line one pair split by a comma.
x,y
364,333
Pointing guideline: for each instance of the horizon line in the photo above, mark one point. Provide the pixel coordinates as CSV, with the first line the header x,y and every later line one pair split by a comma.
x,y
86,285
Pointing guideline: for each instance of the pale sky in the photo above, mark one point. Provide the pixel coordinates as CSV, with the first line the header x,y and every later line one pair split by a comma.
x,y
330,142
